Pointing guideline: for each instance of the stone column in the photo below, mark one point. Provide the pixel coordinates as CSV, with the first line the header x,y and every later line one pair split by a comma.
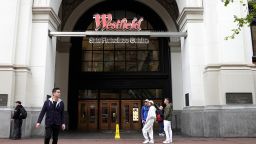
x,y
229,67
192,51
213,69
42,62
9,14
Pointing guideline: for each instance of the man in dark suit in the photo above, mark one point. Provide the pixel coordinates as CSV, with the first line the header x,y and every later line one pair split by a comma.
x,y
54,121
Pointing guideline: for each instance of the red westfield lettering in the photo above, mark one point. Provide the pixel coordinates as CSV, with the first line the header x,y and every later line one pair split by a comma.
x,y
104,22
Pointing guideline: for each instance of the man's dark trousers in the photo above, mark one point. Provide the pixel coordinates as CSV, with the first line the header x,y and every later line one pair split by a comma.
x,y
51,131
17,128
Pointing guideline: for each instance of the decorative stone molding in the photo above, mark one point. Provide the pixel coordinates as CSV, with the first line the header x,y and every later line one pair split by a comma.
x,y
221,107
218,67
5,67
41,3
174,44
190,15
46,15
219,121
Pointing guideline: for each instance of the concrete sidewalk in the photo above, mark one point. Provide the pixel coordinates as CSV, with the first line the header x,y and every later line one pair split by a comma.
x,y
127,137
158,140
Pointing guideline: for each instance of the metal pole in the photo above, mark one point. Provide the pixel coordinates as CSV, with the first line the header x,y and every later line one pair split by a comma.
x,y
118,33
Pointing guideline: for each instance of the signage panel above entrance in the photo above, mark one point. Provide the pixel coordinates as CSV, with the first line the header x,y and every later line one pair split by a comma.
x,y
105,22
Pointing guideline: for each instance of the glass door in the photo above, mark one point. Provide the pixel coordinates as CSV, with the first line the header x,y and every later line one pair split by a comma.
x,y
130,115
88,115
109,112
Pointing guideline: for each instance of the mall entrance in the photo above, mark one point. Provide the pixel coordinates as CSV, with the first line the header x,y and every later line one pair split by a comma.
x,y
109,81
104,114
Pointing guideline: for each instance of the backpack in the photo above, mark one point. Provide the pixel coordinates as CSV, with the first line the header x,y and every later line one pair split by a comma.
x,y
23,113
159,118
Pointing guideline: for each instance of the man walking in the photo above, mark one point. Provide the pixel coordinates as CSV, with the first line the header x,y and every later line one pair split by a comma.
x,y
17,116
54,121
167,121
147,129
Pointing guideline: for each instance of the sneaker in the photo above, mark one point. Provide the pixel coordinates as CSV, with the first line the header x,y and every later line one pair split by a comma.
x,y
146,141
151,141
166,142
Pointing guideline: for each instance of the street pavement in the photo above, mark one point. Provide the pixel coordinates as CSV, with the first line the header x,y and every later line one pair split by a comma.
x,y
177,140
127,138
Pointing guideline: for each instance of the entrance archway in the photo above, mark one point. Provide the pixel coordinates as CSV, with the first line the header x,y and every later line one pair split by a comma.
x,y
98,79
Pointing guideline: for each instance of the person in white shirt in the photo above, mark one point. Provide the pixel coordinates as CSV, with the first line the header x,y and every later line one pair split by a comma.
x,y
147,129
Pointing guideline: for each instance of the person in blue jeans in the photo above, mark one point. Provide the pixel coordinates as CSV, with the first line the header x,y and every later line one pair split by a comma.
x,y
160,120
144,111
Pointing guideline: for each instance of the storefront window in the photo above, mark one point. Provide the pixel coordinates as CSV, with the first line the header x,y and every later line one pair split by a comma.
x,y
129,57
121,93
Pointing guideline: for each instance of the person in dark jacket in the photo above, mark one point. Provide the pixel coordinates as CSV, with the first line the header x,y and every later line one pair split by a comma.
x,y
160,120
17,121
54,121
167,121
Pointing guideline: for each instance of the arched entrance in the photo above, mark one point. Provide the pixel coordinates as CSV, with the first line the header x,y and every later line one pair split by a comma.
x,y
108,81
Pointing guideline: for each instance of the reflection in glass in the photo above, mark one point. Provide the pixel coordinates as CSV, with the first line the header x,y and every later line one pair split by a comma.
x,y
131,66
120,66
142,94
97,67
127,114
131,55
124,93
92,118
108,66
119,55
88,94
87,66
83,114
97,55
155,55
153,44
113,112
120,46
131,46
142,46
108,55
108,46
97,46
109,94
104,115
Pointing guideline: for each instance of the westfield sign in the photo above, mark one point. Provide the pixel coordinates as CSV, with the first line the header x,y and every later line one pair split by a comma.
x,y
105,22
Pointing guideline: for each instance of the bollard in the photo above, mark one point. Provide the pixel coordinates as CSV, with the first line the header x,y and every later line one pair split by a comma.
x,y
117,134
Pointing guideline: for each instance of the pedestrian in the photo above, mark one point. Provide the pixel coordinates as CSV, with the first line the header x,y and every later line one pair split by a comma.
x,y
54,121
167,121
19,114
160,120
144,111
147,129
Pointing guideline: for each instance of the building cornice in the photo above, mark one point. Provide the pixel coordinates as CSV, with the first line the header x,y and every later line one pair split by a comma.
x,y
46,15
190,15
218,67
